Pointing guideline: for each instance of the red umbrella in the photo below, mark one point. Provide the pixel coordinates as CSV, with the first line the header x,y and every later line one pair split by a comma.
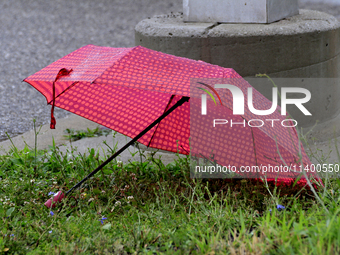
x,y
127,89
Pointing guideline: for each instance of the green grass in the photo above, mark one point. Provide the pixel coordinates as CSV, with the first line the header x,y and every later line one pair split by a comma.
x,y
74,135
150,208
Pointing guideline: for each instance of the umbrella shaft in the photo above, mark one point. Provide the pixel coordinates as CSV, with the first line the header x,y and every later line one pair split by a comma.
x,y
179,103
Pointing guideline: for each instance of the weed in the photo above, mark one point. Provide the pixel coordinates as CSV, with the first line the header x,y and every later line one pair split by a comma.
x,y
74,135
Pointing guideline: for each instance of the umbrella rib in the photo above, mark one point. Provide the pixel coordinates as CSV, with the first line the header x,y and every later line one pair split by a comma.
x,y
126,55
74,83
252,134
171,98
178,103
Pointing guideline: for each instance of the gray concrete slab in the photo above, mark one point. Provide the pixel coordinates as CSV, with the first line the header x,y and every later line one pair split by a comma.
x,y
131,154
46,136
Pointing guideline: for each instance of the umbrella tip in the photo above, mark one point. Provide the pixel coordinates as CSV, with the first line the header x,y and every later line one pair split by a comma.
x,y
54,200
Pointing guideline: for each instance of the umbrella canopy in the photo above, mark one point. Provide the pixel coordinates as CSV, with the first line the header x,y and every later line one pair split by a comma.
x,y
126,89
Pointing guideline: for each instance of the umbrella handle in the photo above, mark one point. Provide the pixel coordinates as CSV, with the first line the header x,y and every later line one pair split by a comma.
x,y
179,103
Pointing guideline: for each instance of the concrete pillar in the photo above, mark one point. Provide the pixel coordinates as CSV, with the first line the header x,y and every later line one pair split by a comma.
x,y
303,46
239,11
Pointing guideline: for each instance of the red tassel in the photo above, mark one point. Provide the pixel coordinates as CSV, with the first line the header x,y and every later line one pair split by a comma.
x,y
62,72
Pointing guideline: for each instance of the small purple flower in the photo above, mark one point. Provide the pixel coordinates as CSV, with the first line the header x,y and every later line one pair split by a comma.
x,y
12,234
50,231
102,220
51,193
280,207
51,213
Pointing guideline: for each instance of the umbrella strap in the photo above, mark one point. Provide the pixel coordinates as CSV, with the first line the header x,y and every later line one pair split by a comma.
x,y
62,72
179,103
53,121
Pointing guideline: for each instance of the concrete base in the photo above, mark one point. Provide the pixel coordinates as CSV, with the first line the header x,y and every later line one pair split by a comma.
x,y
303,46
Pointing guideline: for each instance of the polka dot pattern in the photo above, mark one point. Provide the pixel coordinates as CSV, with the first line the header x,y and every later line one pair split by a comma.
x,y
126,89
87,64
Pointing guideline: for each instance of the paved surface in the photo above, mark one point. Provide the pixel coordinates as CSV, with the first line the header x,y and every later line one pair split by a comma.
x,y
35,33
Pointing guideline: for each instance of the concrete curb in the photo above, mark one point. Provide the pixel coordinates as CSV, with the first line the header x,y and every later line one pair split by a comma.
x,y
324,152
46,136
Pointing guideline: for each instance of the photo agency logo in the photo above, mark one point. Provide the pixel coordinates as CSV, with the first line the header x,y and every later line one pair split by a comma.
x,y
238,106
245,128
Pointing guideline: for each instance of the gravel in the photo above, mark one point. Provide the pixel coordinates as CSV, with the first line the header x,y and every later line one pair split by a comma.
x,y
34,33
